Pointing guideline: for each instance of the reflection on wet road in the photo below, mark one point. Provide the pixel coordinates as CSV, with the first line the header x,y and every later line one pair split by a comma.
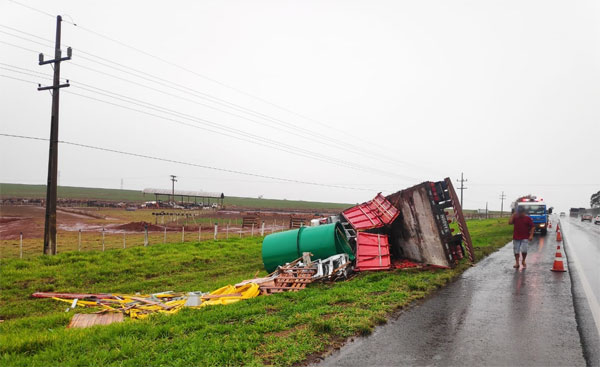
x,y
492,315
582,239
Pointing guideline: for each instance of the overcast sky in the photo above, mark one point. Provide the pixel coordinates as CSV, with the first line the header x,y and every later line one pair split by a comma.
x,y
375,95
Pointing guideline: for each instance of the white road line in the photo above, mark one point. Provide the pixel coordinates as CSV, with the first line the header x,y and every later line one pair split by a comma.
x,y
587,289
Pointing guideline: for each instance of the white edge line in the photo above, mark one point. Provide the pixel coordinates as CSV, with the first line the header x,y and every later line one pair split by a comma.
x,y
587,289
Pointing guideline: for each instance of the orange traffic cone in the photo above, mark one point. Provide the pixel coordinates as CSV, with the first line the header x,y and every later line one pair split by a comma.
x,y
558,247
558,263
558,236
558,254
557,227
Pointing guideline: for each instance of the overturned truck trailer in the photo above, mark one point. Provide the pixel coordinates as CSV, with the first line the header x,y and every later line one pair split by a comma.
x,y
422,232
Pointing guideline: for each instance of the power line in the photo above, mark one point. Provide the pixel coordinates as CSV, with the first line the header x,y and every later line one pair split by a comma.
x,y
252,138
32,8
138,155
27,72
255,139
204,77
19,79
21,47
25,39
27,33
299,132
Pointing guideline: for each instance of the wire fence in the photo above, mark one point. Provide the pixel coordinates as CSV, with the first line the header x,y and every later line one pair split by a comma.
x,y
103,240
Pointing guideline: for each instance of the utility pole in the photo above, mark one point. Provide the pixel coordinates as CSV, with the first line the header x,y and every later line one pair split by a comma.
x,y
50,220
502,197
462,187
173,180
121,184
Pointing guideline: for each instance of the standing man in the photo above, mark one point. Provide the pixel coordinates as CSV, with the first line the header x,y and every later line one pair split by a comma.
x,y
522,233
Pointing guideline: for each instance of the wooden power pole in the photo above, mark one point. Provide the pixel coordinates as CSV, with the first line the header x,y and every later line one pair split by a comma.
x,y
50,220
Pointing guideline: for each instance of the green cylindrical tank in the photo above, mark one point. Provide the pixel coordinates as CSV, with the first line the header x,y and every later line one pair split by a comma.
x,y
321,241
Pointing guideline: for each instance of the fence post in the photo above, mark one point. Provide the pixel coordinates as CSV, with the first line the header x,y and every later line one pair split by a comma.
x,y
200,233
165,236
227,231
273,226
102,239
182,234
21,245
216,229
79,241
262,229
252,233
124,246
145,235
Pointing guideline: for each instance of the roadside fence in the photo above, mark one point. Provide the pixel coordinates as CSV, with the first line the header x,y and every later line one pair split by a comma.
x,y
106,239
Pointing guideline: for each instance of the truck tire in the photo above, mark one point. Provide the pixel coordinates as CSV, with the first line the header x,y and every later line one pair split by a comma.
x,y
544,231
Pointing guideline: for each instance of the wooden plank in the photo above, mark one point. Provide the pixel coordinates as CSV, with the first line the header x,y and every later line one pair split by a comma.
x,y
82,320
149,301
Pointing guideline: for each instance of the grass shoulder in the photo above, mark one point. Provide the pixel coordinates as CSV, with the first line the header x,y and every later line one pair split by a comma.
x,y
282,329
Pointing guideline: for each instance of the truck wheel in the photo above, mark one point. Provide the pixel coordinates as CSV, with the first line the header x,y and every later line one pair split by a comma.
x,y
544,231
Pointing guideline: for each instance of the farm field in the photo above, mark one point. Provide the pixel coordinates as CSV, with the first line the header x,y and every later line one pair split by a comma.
x,y
281,329
117,227
135,196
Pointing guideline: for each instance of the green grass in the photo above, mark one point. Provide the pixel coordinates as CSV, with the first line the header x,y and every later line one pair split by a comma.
x,y
87,193
281,329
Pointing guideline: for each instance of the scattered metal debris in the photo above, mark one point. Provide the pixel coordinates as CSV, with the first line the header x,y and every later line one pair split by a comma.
x,y
406,230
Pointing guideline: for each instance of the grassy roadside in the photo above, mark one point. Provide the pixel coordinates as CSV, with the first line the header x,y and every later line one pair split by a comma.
x,y
281,329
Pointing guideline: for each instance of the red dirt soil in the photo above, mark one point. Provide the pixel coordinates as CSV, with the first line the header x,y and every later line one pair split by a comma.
x,y
137,227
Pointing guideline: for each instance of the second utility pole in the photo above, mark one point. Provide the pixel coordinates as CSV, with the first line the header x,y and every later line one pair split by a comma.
x,y
173,179
502,197
462,187
50,220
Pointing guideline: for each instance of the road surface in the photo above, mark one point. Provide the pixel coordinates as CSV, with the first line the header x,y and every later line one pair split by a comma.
x,y
493,315
582,244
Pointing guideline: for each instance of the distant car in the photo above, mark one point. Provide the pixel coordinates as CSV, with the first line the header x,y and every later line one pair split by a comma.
x,y
562,214
597,219
587,217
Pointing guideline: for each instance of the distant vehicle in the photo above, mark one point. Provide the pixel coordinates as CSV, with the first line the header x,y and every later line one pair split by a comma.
x,y
574,212
597,219
587,217
563,214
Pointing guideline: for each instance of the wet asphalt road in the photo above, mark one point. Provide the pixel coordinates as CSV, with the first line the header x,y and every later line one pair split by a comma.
x,y
493,315
582,244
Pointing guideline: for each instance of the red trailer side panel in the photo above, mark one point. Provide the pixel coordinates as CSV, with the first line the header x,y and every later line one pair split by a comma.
x,y
372,214
372,252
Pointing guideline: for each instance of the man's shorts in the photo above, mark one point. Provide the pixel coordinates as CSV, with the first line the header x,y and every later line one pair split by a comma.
x,y
520,246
